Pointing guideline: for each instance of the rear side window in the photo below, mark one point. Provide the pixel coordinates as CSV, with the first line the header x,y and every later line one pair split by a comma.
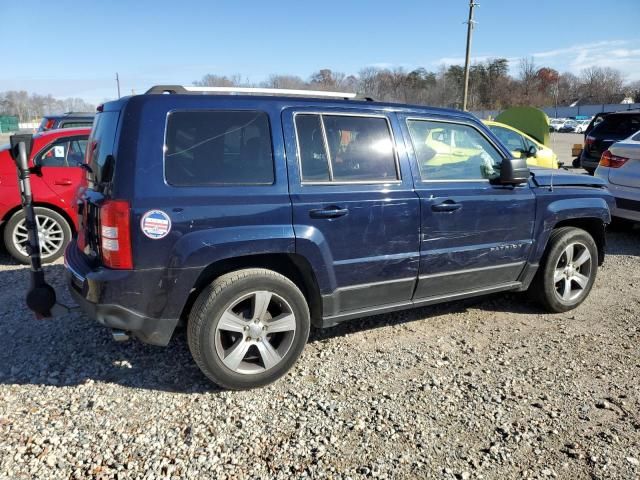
x,y
101,143
218,148
625,124
345,148
63,153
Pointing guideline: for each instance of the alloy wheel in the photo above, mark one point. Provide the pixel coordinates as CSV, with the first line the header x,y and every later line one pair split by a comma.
x,y
50,236
255,332
573,272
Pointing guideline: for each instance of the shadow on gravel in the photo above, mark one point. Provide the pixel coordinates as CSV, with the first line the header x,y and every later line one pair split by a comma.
x,y
623,239
73,350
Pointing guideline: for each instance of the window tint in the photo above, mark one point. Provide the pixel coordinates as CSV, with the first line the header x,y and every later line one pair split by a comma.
x,y
218,148
450,151
509,138
360,148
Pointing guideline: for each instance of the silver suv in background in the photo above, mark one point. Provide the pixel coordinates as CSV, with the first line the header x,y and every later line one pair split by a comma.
x,y
620,168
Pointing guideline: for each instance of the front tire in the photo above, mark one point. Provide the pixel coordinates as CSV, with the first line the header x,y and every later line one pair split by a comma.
x,y
248,328
568,270
54,235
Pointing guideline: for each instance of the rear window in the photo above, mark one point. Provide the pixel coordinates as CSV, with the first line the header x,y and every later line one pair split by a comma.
x,y
101,143
77,124
618,125
206,148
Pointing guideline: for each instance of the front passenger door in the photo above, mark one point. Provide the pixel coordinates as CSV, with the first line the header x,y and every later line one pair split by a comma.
x,y
474,235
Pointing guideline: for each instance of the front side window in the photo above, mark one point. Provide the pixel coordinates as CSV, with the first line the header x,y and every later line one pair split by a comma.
x,y
218,148
467,156
345,148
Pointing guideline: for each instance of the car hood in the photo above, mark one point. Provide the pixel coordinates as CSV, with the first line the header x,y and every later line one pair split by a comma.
x,y
546,177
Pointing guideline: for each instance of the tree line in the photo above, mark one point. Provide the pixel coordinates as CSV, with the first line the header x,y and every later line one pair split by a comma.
x,y
31,107
491,86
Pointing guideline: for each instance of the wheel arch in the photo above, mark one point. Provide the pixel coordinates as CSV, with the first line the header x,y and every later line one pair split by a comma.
x,y
295,267
594,226
50,206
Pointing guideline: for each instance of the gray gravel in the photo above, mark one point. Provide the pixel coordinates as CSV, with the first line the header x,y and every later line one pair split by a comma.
x,y
491,388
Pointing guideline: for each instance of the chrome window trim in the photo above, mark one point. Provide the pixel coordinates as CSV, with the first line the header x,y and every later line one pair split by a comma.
x,y
455,122
320,114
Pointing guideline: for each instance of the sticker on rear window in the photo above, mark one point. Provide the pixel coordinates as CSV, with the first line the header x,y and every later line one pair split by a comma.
x,y
155,224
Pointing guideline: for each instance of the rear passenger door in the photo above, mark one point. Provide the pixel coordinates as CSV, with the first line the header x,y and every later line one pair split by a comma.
x,y
475,235
355,213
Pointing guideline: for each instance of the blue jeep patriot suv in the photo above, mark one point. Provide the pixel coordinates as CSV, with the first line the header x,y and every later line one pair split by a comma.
x,y
253,216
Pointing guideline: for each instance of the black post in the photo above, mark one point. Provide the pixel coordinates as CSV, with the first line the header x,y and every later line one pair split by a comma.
x,y
41,297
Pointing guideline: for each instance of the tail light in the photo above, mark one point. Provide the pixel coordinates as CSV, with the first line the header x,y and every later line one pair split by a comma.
x,y
610,160
50,123
588,141
115,234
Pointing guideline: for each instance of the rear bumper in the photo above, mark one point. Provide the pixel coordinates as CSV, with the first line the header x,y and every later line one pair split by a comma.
x,y
588,162
94,290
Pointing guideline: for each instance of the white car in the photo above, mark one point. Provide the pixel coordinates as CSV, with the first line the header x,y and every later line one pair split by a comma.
x,y
581,126
556,123
620,168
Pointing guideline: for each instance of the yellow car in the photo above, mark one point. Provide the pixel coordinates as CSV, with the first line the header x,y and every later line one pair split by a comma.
x,y
451,145
520,143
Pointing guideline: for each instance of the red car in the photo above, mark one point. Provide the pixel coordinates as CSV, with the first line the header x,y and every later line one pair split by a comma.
x,y
59,154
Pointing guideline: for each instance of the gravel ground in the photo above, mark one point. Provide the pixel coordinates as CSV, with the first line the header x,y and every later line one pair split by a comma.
x,y
491,388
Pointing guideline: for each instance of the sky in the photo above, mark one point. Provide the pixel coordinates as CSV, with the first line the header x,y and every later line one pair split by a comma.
x,y
74,48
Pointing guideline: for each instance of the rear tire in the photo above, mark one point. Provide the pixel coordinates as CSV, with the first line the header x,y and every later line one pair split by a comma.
x,y
53,240
248,328
567,271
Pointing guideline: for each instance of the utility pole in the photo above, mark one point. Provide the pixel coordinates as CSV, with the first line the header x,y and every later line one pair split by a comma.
x,y
470,24
118,83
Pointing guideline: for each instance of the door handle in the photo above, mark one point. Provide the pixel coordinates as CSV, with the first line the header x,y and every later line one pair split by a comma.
x,y
63,181
448,206
328,212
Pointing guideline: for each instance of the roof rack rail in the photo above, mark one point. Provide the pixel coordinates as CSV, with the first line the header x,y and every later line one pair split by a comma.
x,y
179,89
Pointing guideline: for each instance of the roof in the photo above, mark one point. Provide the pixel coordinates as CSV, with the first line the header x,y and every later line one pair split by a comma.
x,y
284,102
63,132
71,115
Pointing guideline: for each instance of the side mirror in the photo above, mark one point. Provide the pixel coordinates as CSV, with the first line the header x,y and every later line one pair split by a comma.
x,y
514,171
532,151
